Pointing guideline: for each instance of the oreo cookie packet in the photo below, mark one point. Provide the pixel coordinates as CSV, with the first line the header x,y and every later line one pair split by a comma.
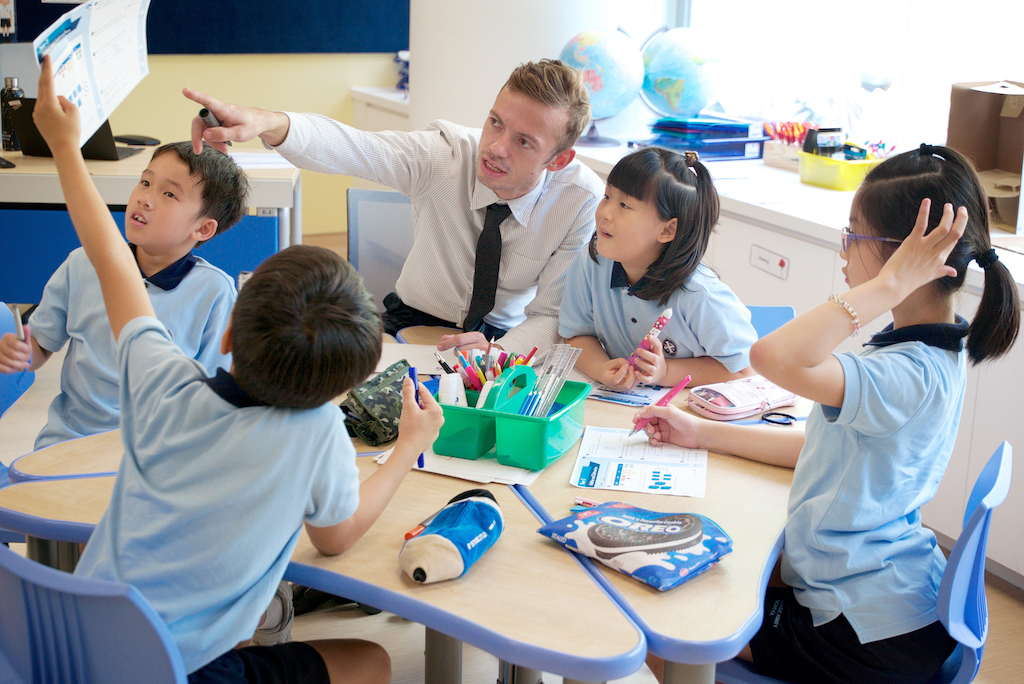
x,y
661,549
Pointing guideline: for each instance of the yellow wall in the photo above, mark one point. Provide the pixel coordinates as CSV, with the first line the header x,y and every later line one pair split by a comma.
x,y
304,83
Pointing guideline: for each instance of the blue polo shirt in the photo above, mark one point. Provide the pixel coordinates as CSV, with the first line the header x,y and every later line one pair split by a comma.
x,y
192,297
707,318
854,540
212,492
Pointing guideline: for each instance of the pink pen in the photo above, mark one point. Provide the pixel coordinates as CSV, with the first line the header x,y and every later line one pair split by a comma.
x,y
642,423
645,343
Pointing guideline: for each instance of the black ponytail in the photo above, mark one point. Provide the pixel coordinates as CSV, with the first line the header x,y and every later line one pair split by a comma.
x,y
889,201
679,187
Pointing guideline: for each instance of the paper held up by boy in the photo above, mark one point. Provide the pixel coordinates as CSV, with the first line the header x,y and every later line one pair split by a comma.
x,y
484,470
99,54
610,459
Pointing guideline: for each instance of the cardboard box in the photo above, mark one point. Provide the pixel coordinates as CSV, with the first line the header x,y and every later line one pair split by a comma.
x,y
986,124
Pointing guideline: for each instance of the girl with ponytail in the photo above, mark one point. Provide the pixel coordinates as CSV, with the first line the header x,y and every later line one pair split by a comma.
x,y
653,227
854,599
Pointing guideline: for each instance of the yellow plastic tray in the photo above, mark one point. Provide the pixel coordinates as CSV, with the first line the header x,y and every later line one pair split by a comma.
x,y
837,174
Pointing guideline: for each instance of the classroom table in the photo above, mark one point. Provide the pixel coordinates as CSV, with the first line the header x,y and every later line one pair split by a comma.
x,y
523,601
704,621
711,617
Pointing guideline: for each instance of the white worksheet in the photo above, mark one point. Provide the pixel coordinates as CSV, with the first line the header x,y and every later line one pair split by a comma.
x,y
610,459
98,54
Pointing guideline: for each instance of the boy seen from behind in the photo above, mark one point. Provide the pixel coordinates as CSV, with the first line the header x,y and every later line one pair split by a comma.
x,y
181,200
219,474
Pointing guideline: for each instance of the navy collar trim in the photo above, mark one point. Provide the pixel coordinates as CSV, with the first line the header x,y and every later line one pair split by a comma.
x,y
948,336
170,277
225,386
619,279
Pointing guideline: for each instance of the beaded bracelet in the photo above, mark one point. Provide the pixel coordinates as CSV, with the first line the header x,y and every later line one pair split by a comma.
x,y
849,309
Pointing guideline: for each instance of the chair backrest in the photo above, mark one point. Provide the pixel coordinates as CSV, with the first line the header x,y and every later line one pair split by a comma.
x,y
58,628
379,238
766,319
14,385
962,605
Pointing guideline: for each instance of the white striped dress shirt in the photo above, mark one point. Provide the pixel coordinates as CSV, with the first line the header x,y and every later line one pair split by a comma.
x,y
437,169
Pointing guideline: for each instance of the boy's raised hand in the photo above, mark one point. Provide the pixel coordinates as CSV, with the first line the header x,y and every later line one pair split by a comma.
x,y
418,427
56,117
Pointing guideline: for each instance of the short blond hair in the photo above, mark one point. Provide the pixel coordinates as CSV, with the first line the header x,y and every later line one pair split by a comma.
x,y
554,83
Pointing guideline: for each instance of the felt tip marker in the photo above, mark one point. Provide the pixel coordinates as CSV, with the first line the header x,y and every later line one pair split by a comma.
x,y
580,501
642,423
210,120
18,324
645,344
416,389
418,530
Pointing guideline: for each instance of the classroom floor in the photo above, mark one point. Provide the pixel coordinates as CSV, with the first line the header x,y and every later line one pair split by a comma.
x,y
404,640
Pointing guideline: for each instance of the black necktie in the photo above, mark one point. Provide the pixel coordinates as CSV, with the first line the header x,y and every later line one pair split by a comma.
x,y
488,259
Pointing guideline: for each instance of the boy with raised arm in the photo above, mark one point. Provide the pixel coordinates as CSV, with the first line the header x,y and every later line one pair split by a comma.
x,y
182,199
219,474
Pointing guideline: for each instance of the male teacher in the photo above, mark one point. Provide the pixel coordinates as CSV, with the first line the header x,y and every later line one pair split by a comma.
x,y
510,194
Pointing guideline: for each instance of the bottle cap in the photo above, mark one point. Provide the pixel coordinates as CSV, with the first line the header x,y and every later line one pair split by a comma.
x,y
11,81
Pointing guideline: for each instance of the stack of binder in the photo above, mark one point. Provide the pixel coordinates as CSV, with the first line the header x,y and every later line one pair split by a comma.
x,y
712,139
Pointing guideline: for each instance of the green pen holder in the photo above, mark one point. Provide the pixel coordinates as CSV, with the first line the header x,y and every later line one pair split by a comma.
x,y
521,441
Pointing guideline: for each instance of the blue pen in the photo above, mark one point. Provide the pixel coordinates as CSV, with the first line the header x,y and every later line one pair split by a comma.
x,y
416,389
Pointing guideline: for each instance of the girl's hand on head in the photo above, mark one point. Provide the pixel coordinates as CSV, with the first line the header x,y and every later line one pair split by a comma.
x,y
651,366
15,355
671,426
617,374
55,117
922,258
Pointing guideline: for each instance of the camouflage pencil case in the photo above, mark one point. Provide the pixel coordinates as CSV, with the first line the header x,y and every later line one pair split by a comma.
x,y
372,410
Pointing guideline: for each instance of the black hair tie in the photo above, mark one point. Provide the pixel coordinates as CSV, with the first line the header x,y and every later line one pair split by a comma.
x,y
927,150
987,259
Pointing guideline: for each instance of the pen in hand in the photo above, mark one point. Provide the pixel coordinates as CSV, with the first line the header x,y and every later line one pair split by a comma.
x,y
18,324
642,423
210,120
416,389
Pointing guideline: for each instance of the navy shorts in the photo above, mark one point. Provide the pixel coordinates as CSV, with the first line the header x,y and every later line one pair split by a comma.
x,y
789,647
294,661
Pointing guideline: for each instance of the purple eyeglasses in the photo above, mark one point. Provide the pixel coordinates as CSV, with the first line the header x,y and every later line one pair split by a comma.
x,y
848,238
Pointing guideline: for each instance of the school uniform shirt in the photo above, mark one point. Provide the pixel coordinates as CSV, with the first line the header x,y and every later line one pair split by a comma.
x,y
437,169
854,540
707,318
212,492
192,297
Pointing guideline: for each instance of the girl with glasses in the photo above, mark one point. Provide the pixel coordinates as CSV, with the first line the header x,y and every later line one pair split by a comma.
x,y
854,596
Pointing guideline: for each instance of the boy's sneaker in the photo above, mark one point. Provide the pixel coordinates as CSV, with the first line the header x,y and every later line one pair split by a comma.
x,y
282,631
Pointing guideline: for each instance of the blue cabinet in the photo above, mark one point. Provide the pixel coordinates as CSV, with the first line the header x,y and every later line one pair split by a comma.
x,y
37,238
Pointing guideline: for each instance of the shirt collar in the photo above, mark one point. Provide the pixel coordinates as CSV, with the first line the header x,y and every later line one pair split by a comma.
x,y
170,277
619,279
522,207
948,336
225,386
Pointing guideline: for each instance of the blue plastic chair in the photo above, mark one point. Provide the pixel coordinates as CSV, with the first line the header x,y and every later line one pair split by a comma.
x,y
766,319
63,629
11,388
962,606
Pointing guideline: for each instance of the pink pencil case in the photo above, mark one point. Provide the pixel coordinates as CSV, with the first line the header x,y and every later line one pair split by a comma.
x,y
739,398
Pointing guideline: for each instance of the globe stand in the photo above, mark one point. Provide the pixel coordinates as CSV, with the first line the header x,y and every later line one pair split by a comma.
x,y
592,139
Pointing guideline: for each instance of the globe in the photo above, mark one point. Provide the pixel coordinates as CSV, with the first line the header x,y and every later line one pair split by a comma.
x,y
611,66
678,74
